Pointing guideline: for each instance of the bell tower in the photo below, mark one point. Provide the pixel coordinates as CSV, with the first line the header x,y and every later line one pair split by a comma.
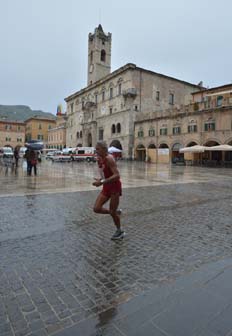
x,y
99,55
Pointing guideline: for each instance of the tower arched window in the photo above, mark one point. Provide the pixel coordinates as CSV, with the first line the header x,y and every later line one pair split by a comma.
x,y
103,55
118,128
113,129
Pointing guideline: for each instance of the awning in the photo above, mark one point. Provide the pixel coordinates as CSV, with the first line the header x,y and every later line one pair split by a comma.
x,y
219,148
193,149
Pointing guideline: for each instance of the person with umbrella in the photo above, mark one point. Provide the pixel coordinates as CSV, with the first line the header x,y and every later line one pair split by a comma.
x,y
31,157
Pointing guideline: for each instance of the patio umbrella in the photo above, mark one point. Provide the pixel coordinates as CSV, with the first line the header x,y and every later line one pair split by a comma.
x,y
193,149
219,148
113,149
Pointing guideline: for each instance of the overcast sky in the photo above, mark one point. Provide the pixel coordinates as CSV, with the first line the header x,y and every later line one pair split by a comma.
x,y
43,55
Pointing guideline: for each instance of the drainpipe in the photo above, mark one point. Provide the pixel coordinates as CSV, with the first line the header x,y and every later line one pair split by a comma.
x,y
140,89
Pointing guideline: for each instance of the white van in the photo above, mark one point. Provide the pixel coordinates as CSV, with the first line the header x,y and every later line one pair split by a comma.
x,y
84,154
76,154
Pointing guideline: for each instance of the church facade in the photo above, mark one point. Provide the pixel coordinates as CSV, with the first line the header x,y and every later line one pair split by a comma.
x,y
112,102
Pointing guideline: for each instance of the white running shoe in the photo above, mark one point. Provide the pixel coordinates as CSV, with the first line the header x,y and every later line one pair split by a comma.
x,y
119,234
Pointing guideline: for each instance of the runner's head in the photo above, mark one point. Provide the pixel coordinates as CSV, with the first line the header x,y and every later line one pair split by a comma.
x,y
101,148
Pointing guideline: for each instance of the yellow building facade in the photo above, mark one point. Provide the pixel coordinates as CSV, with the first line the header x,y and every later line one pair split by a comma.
x,y
37,128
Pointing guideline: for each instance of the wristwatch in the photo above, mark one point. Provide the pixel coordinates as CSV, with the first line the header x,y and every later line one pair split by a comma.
x,y
102,181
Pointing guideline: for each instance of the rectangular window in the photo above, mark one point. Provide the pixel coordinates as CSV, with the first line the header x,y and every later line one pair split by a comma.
x,y
103,96
151,132
101,134
192,128
163,131
120,89
111,110
19,128
176,130
171,99
210,126
95,98
140,134
40,137
40,126
111,93
157,95
71,107
219,100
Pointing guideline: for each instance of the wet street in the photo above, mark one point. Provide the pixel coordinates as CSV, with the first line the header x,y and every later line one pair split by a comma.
x,y
61,274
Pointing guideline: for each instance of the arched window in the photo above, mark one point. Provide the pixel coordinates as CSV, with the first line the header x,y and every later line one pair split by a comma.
x,y
78,135
118,128
113,129
103,55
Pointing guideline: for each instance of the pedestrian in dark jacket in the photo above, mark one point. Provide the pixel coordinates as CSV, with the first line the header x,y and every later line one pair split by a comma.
x,y
16,156
31,157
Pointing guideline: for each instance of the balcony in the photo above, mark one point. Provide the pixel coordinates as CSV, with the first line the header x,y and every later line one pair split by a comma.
x,y
130,93
89,105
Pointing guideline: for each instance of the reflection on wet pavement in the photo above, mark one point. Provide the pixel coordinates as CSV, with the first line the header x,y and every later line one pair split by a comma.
x,y
68,177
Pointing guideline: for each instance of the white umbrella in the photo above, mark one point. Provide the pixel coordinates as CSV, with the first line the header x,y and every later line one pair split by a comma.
x,y
219,148
193,149
113,149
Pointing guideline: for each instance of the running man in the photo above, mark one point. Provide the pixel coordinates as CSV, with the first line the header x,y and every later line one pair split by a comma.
x,y
111,188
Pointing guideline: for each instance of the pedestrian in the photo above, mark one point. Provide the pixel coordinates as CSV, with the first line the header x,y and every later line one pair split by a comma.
x,y
16,156
31,157
26,156
111,188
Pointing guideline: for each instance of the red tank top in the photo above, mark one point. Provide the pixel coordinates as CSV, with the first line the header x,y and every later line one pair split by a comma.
x,y
112,187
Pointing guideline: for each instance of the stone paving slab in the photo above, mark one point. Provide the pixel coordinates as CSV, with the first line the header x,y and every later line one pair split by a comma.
x,y
59,267
169,309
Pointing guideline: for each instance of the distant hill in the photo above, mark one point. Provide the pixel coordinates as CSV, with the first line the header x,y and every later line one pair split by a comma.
x,y
21,113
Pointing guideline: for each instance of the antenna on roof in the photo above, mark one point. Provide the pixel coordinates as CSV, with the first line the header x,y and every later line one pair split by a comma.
x,y
99,15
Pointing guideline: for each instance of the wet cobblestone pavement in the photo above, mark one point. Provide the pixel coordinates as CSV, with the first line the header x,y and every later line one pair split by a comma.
x,y
58,265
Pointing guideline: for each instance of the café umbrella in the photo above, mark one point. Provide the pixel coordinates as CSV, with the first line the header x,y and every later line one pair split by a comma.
x,y
220,148
192,149
113,149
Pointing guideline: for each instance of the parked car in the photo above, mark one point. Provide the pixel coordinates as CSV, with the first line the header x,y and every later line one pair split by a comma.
x,y
6,152
50,155
6,156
